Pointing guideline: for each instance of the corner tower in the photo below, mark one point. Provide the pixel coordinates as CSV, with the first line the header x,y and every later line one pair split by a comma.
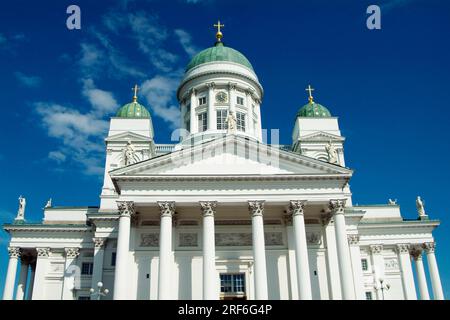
x,y
219,84
316,133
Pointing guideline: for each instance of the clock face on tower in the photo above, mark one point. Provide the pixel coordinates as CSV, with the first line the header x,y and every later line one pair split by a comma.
x,y
221,97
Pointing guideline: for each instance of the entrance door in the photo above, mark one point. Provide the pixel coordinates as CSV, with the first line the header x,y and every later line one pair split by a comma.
x,y
232,286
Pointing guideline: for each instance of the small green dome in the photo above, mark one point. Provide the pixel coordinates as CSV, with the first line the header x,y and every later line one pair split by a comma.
x,y
133,110
219,53
313,110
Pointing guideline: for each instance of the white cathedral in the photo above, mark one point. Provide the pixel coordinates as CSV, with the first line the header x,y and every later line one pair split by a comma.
x,y
221,214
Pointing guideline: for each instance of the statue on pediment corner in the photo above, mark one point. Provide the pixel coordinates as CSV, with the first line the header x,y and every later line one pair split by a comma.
x,y
332,153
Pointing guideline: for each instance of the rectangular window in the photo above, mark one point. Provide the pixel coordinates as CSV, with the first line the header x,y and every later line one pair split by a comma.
x,y
232,283
240,101
364,264
240,121
369,295
222,119
202,122
113,259
201,101
87,268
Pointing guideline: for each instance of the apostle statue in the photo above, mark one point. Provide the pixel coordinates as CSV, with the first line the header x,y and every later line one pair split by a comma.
x,y
49,203
21,211
231,122
332,153
420,207
392,202
130,156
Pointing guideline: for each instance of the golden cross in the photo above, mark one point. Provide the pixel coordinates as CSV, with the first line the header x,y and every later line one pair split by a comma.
x,y
219,33
135,89
310,90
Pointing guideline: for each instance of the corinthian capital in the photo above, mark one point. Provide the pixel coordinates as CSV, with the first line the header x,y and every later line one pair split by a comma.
x,y
376,249
43,252
353,239
126,208
416,252
211,85
208,208
429,247
232,85
337,206
72,253
256,207
14,252
166,208
99,242
296,207
402,248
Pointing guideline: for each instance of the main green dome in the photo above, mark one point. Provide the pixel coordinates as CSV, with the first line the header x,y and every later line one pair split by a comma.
x,y
133,110
219,53
313,110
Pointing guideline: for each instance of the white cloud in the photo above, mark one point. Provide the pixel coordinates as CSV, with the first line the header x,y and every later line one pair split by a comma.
x,y
102,101
2,39
28,80
160,92
57,156
186,42
81,134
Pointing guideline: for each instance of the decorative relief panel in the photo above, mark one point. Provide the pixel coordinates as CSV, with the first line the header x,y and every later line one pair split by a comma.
x,y
233,239
314,238
149,240
273,238
245,239
57,267
188,240
391,264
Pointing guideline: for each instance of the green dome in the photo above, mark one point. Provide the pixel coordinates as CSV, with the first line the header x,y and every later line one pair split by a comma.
x,y
133,110
313,110
219,53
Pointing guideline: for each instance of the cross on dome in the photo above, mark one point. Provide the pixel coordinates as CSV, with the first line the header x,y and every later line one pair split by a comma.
x,y
219,34
135,89
310,90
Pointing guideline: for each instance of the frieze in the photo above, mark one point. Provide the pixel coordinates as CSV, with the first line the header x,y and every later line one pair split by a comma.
x,y
188,240
273,238
233,239
149,240
314,238
391,264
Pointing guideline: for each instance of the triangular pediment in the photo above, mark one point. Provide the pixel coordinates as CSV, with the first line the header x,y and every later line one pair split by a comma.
x,y
321,136
230,156
125,136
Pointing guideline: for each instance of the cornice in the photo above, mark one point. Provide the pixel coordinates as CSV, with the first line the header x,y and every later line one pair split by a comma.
x,y
399,224
46,228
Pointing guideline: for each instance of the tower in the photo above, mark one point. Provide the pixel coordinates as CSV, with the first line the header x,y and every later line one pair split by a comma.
x,y
129,140
219,84
316,133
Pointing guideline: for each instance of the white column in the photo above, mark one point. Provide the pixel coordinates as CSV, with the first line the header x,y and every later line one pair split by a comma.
x,y
345,266
416,253
99,252
193,128
248,104
31,285
212,119
259,251
334,283
438,294
167,209
14,254
301,250
40,273
209,251
378,267
291,258
409,288
72,273
23,277
355,255
122,275
232,97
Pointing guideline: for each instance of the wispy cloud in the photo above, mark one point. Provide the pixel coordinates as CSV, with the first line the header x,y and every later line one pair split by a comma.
x,y
2,39
159,93
28,80
80,134
389,5
186,42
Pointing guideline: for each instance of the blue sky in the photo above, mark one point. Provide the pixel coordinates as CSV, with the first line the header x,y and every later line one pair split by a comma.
x,y
389,88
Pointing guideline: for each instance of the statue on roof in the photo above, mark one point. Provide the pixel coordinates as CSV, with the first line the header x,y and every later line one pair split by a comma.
x,y
129,154
49,203
420,207
392,202
332,153
231,122
21,211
